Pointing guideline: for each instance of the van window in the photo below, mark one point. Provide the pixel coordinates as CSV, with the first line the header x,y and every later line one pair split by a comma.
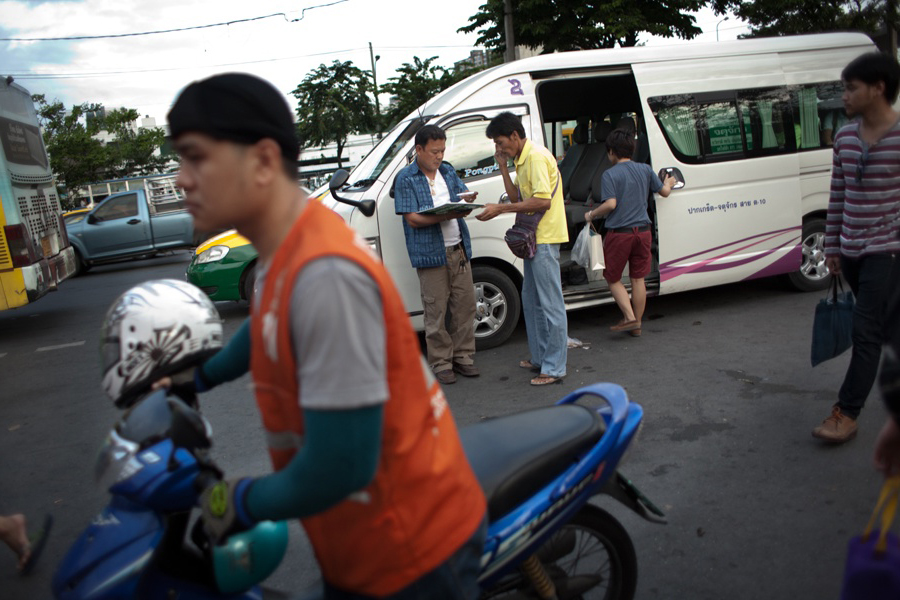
x,y
469,151
728,125
818,114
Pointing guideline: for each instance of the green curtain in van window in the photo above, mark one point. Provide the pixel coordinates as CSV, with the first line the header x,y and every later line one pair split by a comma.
x,y
680,127
768,132
809,118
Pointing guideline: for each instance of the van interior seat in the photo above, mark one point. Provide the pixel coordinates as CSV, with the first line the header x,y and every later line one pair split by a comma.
x,y
573,156
580,185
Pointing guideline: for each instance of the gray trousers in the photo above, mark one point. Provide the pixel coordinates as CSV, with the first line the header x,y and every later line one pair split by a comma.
x,y
449,288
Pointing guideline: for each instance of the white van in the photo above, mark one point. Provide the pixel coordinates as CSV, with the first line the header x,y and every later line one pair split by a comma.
x,y
746,125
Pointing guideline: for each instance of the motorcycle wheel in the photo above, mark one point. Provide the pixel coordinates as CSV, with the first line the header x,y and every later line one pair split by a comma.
x,y
590,558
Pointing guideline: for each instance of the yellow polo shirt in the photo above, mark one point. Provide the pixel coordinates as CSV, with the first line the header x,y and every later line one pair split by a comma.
x,y
536,176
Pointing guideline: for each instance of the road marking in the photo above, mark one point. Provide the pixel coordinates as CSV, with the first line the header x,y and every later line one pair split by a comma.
x,y
73,344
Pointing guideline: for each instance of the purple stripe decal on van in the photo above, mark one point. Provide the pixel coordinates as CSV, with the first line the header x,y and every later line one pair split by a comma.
x,y
668,272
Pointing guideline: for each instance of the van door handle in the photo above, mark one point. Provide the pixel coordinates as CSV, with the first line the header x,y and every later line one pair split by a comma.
x,y
134,221
504,198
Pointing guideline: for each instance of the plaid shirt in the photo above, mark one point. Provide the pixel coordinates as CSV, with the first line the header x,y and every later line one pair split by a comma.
x,y
412,194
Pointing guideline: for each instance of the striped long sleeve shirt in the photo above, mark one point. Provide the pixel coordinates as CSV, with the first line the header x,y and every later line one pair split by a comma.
x,y
864,209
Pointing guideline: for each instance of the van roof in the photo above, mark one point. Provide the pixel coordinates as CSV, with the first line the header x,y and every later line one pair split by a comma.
x,y
585,59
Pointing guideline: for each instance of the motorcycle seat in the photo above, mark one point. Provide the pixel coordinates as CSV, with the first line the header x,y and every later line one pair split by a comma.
x,y
515,456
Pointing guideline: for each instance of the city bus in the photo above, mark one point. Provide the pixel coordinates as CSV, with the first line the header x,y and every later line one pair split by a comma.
x,y
35,254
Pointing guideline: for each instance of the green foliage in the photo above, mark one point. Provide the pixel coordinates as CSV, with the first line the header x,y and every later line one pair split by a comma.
x,y
418,82
790,17
78,158
333,102
132,152
562,25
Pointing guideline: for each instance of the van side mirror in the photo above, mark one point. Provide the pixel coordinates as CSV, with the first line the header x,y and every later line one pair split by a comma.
x,y
338,180
672,172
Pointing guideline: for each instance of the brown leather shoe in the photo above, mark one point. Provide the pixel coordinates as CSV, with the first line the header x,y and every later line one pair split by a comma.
x,y
466,370
446,377
836,429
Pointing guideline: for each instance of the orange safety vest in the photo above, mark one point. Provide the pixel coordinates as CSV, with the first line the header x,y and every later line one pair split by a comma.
x,y
424,501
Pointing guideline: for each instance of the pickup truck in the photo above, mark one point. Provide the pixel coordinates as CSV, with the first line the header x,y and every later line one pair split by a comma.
x,y
132,224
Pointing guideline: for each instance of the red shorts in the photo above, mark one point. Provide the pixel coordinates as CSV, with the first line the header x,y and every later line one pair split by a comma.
x,y
631,248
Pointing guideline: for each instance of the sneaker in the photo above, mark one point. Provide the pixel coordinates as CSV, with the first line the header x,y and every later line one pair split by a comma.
x,y
836,429
466,370
446,377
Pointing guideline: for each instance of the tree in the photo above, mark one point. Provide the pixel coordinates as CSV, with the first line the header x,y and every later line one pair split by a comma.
x,y
418,82
333,102
79,157
132,152
562,25
791,17
76,156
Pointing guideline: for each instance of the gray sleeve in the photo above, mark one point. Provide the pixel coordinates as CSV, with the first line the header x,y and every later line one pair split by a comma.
x,y
338,336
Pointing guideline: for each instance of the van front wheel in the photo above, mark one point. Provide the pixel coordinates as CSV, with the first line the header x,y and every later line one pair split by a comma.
x,y
497,306
812,275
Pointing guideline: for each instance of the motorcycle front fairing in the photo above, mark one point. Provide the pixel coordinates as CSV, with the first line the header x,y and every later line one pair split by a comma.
x,y
108,558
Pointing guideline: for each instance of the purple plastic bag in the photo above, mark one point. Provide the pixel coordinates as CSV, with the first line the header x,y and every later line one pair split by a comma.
x,y
872,571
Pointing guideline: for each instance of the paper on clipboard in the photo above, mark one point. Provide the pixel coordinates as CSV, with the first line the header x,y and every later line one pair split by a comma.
x,y
452,207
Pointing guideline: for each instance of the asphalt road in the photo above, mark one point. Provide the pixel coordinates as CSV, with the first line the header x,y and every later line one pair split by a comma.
x,y
756,507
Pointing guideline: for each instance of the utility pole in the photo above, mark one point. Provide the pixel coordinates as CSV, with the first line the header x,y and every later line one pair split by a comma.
x,y
510,37
375,88
889,20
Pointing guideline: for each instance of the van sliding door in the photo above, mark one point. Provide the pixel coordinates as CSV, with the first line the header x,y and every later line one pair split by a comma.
x,y
726,124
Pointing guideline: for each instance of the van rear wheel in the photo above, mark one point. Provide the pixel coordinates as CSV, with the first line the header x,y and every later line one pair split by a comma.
x,y
497,306
812,275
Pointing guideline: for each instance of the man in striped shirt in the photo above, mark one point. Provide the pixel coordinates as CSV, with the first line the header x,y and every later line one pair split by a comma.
x,y
863,223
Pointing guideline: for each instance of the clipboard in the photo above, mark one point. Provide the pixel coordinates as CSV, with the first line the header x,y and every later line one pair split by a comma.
x,y
451,207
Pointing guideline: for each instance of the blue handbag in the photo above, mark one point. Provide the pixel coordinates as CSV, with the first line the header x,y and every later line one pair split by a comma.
x,y
872,570
833,324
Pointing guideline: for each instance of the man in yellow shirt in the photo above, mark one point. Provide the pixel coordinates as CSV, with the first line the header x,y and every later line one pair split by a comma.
x,y
537,188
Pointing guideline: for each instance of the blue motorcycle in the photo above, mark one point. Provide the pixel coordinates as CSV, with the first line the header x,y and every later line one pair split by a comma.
x,y
538,469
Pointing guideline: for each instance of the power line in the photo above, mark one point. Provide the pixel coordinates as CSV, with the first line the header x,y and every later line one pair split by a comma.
x,y
165,69
123,35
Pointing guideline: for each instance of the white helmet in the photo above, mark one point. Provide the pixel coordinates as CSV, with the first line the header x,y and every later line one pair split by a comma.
x,y
155,329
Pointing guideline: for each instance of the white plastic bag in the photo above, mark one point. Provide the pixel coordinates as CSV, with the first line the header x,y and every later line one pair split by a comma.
x,y
595,245
581,249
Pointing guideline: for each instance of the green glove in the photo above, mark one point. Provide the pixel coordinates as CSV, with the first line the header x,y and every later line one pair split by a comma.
x,y
224,511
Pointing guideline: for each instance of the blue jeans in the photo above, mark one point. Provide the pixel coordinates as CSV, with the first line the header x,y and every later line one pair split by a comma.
x,y
455,579
868,278
545,311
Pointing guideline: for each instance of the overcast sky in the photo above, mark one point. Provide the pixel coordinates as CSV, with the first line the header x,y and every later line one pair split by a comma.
x,y
146,72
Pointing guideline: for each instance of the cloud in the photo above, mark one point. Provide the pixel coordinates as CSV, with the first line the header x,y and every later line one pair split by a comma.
x,y
147,72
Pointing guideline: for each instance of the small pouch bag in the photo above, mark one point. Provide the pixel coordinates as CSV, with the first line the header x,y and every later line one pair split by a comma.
x,y
522,236
833,324
872,570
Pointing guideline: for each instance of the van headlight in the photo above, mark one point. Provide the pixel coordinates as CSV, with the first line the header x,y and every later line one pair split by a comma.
x,y
214,254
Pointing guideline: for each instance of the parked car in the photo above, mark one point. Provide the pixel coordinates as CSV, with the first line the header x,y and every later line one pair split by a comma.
x,y
132,224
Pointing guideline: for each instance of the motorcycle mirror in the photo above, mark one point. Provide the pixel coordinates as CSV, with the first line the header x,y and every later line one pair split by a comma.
x,y
189,430
338,180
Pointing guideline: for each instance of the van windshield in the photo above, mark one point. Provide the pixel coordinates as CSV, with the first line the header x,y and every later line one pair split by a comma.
x,y
376,161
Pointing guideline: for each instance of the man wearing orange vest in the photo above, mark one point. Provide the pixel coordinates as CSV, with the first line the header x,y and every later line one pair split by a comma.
x,y
364,448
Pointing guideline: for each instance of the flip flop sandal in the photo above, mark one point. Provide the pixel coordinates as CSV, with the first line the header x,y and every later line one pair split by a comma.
x,y
545,380
527,364
635,333
37,540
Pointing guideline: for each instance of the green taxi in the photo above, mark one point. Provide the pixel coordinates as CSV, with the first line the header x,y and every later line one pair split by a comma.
x,y
224,267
